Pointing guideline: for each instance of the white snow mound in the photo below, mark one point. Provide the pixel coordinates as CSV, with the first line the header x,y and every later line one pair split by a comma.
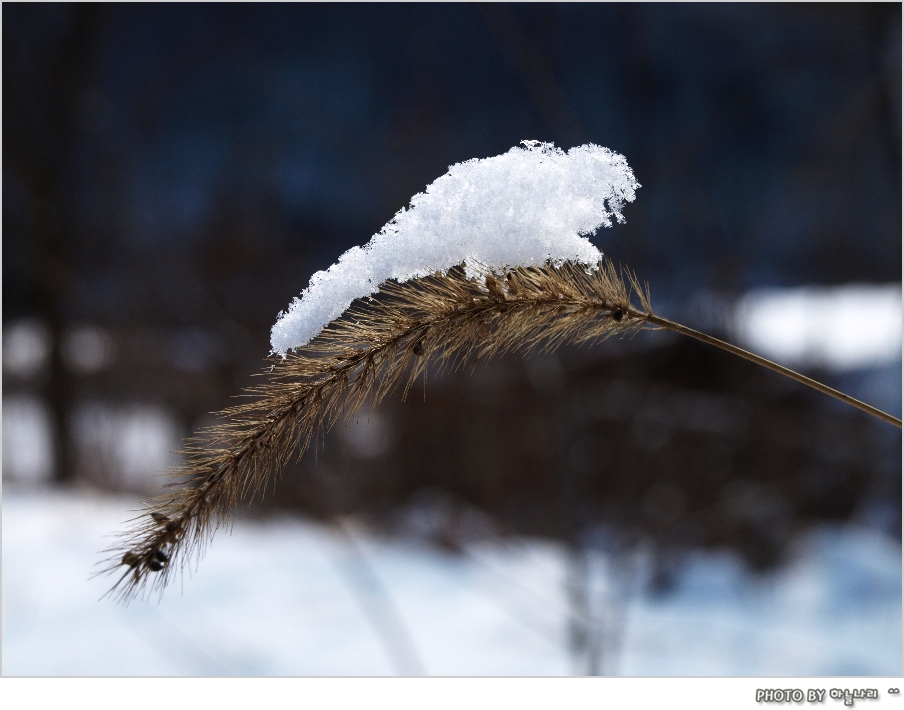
x,y
531,205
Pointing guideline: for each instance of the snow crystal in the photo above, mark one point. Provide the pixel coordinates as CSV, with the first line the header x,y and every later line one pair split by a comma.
x,y
531,205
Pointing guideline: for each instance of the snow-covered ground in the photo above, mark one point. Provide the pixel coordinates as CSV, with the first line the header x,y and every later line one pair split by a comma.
x,y
289,597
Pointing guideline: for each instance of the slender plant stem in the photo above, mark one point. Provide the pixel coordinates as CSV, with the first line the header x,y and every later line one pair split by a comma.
x,y
740,352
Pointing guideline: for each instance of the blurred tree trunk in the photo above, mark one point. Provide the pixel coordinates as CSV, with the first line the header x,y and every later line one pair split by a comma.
x,y
39,151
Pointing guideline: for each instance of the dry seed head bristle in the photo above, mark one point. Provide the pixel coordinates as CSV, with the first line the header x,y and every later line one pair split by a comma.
x,y
448,319
444,319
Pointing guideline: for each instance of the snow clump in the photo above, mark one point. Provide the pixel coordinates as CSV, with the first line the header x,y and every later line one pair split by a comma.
x,y
531,205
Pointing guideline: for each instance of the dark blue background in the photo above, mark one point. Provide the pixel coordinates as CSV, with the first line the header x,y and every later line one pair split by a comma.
x,y
181,170
766,137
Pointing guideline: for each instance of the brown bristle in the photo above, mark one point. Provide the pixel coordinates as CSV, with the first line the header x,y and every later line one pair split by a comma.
x,y
378,344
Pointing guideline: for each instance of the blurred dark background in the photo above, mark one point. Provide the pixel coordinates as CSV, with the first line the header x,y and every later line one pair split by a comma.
x,y
174,174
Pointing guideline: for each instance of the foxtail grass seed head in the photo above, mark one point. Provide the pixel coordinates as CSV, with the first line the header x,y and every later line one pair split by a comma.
x,y
374,347
492,258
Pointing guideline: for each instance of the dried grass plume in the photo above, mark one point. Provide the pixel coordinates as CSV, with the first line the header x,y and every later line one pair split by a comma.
x,y
376,346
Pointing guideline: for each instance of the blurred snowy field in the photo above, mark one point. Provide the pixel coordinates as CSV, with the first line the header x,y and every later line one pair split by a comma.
x,y
289,597
833,327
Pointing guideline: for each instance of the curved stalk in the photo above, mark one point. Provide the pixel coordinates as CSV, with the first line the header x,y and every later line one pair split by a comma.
x,y
666,324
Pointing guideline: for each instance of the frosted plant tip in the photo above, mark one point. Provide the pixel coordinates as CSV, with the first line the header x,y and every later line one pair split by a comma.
x,y
533,204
